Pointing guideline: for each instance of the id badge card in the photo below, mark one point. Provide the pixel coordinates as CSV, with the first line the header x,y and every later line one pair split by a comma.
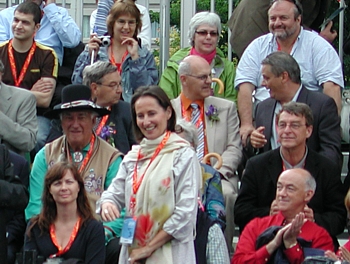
x,y
128,230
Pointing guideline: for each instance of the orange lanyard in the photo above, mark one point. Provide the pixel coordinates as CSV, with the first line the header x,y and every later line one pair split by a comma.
x,y
73,235
102,123
136,183
112,60
29,58
88,155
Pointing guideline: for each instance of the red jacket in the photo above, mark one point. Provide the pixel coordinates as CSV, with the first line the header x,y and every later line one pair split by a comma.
x,y
246,252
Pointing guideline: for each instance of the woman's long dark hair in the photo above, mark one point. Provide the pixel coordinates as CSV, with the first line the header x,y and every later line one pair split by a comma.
x,y
48,212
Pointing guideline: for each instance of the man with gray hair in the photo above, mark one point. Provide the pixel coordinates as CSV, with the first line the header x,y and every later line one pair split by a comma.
x,y
217,123
288,234
19,126
259,181
105,84
281,76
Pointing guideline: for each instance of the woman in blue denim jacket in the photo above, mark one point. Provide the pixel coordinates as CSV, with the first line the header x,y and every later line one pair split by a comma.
x,y
135,64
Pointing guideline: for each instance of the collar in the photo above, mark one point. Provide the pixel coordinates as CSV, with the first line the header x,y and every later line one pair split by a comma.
x,y
186,103
273,40
297,94
301,164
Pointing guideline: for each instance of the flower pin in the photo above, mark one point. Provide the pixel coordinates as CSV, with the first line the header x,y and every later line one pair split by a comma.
x,y
212,114
107,134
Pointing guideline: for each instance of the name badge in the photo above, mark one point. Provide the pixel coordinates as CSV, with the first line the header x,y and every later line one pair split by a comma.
x,y
128,230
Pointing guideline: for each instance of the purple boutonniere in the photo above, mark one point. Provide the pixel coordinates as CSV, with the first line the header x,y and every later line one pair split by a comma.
x,y
107,134
212,114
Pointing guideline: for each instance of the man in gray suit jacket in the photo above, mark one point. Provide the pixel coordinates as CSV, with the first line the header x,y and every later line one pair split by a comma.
x,y
281,75
17,117
221,127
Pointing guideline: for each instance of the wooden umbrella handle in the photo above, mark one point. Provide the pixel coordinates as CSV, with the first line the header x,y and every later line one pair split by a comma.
x,y
213,155
220,83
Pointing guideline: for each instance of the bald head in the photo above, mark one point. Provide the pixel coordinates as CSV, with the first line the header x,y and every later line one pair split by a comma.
x,y
195,77
295,188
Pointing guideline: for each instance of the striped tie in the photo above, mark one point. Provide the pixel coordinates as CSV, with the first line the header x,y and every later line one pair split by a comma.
x,y
197,121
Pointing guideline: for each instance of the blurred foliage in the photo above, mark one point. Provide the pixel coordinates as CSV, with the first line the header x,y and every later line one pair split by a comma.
x,y
203,5
174,44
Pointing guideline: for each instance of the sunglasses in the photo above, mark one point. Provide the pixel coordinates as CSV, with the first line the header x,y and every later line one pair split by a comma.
x,y
205,33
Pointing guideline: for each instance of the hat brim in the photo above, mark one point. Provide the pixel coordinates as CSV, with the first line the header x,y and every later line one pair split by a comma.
x,y
55,112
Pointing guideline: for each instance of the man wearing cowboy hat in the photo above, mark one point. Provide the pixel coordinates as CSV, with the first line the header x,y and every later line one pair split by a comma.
x,y
98,162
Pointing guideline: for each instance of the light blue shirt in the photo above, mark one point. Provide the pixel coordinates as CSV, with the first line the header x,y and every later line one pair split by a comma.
x,y
317,59
57,28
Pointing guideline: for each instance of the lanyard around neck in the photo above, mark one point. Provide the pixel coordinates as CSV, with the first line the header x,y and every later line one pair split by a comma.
x,y
88,155
73,235
137,182
29,58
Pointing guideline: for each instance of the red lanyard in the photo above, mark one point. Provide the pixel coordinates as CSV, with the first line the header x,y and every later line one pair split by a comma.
x,y
25,65
112,60
73,235
136,183
102,123
88,155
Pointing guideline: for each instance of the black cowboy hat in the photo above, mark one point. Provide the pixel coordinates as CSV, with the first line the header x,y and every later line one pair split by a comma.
x,y
76,97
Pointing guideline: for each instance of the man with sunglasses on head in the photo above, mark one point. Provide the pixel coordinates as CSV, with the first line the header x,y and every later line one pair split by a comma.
x,y
320,66
218,128
256,197
281,76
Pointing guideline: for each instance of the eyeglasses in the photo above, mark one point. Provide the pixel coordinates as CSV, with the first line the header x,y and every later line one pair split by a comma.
x,y
293,126
112,85
122,22
202,77
205,33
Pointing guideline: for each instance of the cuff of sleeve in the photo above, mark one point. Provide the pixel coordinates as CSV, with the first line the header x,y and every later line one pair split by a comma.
x,y
50,9
263,254
293,250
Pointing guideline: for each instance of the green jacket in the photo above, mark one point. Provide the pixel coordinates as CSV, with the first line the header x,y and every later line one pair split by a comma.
x,y
224,70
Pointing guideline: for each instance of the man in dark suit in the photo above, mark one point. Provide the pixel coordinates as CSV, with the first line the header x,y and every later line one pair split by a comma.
x,y
16,226
281,75
257,193
13,197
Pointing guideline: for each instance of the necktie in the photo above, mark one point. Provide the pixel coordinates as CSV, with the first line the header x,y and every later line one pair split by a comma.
x,y
197,121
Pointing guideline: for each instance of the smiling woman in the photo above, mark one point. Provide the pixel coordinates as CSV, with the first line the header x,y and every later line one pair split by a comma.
x,y
135,64
158,184
203,34
65,227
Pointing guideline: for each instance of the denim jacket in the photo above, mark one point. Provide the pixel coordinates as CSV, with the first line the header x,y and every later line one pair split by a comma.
x,y
135,73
